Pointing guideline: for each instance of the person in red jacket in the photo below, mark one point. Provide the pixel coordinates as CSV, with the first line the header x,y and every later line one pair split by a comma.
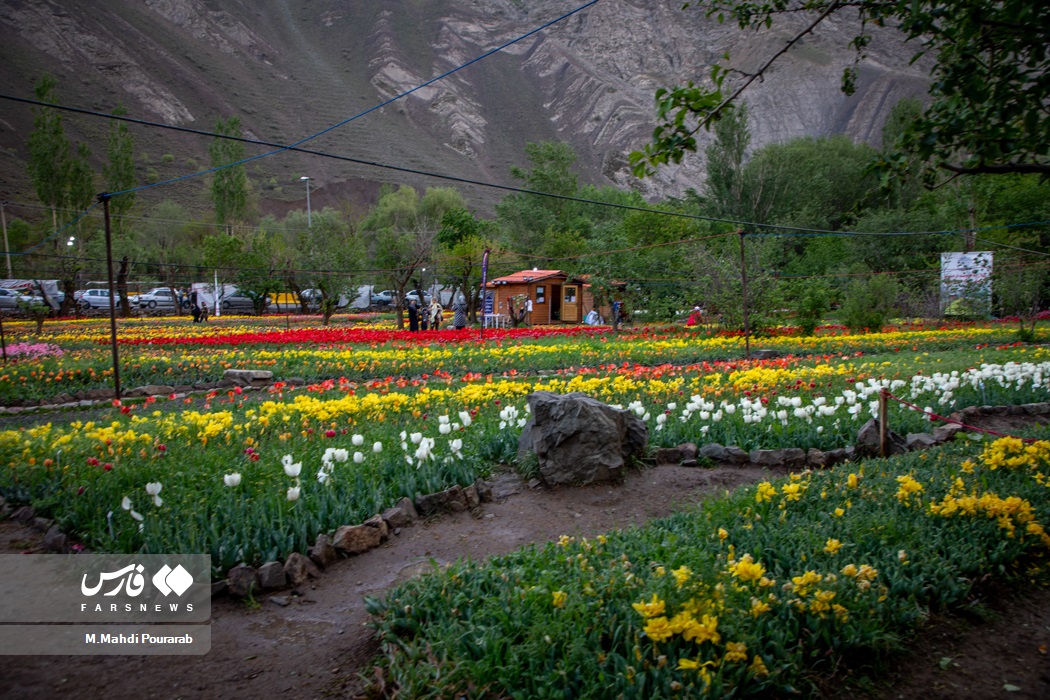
x,y
696,318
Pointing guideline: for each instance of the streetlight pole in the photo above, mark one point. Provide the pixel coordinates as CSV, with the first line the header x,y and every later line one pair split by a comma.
x,y
309,221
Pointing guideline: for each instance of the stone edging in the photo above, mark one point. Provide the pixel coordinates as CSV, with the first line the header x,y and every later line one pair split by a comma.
x,y
687,454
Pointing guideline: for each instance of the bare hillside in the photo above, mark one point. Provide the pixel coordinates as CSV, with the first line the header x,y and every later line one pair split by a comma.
x,y
290,68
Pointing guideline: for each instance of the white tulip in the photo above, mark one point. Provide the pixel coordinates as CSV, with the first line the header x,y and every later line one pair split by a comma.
x,y
358,458
232,480
358,440
293,493
415,438
444,428
378,447
443,420
464,418
126,503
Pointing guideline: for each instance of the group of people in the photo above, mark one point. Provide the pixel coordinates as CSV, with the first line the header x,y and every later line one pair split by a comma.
x,y
200,313
431,317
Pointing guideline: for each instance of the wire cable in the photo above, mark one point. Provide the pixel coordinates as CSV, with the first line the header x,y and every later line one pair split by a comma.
x,y
406,93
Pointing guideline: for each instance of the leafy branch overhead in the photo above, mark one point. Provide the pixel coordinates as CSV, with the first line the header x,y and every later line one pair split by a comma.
x,y
988,108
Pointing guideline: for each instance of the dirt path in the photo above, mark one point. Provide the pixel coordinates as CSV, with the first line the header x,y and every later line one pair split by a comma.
x,y
318,644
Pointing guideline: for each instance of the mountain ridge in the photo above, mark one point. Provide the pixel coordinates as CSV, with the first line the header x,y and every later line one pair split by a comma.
x,y
299,66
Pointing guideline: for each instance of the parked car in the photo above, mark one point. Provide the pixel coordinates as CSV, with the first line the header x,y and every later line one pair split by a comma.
x,y
10,298
384,298
95,299
240,302
159,298
414,296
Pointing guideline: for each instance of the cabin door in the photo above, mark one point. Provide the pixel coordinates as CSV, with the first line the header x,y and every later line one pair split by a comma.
x,y
570,303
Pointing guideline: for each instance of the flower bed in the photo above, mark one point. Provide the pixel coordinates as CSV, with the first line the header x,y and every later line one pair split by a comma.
x,y
195,357
758,593
432,433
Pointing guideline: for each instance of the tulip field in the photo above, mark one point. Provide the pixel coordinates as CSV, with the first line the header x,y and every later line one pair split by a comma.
x,y
755,591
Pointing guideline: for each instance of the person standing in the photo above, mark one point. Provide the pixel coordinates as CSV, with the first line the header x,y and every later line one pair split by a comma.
x,y
435,314
413,316
459,312
528,311
204,313
196,313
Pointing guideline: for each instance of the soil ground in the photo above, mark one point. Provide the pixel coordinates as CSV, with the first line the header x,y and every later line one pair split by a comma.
x,y
319,645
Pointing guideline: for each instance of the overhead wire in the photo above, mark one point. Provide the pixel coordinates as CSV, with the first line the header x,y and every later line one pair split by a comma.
x,y
774,229
281,149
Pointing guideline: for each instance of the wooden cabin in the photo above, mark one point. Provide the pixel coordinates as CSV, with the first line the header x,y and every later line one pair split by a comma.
x,y
555,297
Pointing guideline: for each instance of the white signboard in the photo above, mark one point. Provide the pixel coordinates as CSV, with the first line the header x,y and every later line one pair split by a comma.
x,y
966,283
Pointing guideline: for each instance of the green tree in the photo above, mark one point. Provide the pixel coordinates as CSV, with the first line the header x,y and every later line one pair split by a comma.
x,y
991,74
526,219
224,254
870,303
462,240
331,259
62,178
401,231
48,151
725,157
229,186
119,172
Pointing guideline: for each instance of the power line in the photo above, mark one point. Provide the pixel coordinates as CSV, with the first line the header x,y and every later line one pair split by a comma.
x,y
281,149
777,229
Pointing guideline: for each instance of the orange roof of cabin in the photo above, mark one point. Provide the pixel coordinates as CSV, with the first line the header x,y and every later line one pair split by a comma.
x,y
525,276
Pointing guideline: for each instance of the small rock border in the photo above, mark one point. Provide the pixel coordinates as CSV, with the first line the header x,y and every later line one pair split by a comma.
x,y
244,581
245,379
689,455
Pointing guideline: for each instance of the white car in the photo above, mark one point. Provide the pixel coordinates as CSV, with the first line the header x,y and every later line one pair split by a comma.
x,y
159,298
10,298
96,299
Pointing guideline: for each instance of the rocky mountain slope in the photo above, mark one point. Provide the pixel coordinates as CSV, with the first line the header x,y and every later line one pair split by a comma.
x,y
291,68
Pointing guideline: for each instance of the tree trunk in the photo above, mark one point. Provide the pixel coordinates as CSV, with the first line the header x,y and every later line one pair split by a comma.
x,y
122,287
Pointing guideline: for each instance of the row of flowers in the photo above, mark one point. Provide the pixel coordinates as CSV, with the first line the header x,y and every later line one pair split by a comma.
x,y
79,369
370,446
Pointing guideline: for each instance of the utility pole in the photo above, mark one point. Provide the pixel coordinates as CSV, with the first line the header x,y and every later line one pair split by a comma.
x,y
104,198
7,248
743,297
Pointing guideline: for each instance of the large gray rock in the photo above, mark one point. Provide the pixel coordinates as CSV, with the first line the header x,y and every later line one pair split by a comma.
x,y
580,440
868,440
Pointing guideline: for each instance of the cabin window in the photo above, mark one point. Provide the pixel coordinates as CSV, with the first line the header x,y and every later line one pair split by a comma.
x,y
570,295
541,294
